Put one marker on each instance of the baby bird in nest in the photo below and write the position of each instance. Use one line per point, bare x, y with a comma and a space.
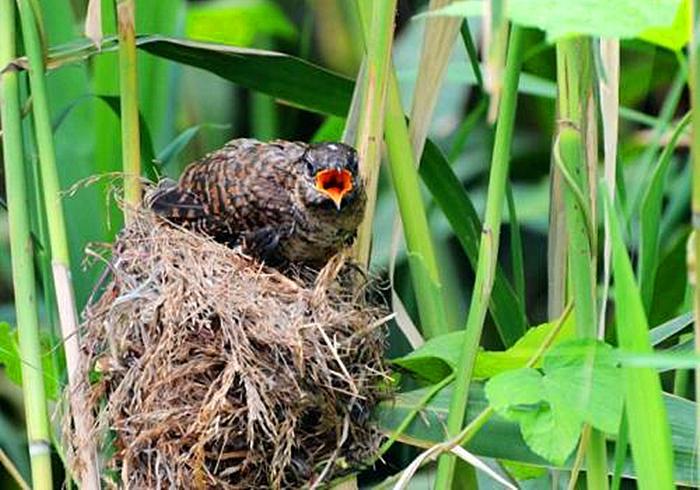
283, 202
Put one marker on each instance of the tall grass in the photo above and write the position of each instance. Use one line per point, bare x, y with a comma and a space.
38, 430
488, 249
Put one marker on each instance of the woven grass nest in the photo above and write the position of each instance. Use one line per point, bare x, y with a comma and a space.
208, 370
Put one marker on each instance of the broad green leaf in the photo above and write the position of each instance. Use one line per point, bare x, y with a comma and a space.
490, 363
9, 354
602, 18
12, 362
580, 384
237, 23
439, 356
501, 439
582, 376
675, 36
290, 79
652, 20
551, 431
435, 359
515, 392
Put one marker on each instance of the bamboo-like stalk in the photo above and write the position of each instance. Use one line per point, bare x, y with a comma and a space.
575, 85
695, 202
60, 261
378, 21
488, 251
425, 274
38, 431
423, 263
128, 89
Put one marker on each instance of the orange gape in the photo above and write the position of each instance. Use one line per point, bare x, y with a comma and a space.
334, 183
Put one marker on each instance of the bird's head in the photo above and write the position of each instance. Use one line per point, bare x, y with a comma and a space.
330, 176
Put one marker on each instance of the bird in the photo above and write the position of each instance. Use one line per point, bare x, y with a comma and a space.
284, 202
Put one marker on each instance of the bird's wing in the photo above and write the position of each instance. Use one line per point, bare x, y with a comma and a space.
177, 204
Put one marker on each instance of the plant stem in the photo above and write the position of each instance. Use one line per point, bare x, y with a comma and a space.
488, 251
378, 25
128, 89
60, 261
695, 202
421, 254
575, 85
38, 432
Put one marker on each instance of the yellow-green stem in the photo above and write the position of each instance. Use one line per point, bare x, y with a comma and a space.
575, 85
23, 277
378, 22
488, 252
60, 262
128, 89
695, 158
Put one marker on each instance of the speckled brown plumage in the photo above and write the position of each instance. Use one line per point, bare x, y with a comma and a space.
285, 202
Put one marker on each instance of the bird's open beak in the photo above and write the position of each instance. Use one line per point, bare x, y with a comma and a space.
334, 183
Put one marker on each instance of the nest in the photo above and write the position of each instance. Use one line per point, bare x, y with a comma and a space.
208, 370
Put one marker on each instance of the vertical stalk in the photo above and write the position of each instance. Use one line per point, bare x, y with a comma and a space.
488, 251
421, 253
60, 262
22, 266
378, 22
128, 89
404, 174
575, 85
695, 202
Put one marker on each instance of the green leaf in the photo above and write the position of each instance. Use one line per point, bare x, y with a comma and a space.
501, 439
551, 431
490, 363
9, 354
509, 391
601, 18
583, 377
436, 359
649, 430
523, 471
439, 356
650, 217
580, 384
237, 23
448, 192
282, 76
11, 360
670, 328
653, 20
675, 36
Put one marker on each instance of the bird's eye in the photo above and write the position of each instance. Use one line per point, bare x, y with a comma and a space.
310, 168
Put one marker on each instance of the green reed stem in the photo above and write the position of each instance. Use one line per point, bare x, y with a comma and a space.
60, 262
23, 276
575, 83
488, 251
128, 89
378, 25
695, 201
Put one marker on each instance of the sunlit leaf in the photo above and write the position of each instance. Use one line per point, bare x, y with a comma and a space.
237, 23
